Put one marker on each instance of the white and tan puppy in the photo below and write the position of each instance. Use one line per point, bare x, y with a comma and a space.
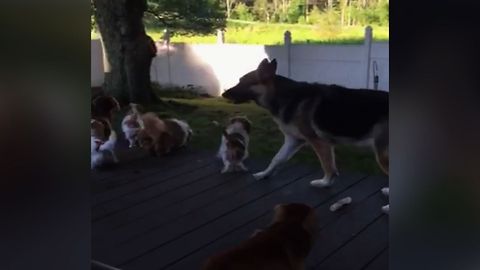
234, 146
102, 143
131, 125
161, 136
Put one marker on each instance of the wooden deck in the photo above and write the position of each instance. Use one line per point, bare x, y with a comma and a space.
173, 212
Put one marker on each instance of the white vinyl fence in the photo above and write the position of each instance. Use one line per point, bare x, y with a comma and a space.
216, 67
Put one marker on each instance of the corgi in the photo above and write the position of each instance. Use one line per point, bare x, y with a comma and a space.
234, 145
161, 136
284, 245
131, 125
102, 143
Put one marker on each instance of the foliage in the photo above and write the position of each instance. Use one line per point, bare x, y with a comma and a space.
295, 10
93, 23
263, 10
186, 16
328, 24
315, 15
242, 12
272, 34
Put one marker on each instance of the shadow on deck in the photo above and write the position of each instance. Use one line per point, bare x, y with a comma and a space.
173, 212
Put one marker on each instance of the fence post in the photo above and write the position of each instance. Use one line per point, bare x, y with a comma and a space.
368, 51
166, 41
220, 36
287, 39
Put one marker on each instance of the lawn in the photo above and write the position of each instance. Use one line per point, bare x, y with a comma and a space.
272, 34
266, 139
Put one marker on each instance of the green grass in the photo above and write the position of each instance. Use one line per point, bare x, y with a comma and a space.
266, 138
272, 34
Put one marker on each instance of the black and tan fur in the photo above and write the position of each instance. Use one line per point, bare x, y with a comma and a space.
319, 115
284, 245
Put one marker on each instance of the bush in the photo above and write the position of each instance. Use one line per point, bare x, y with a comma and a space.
242, 12
383, 13
328, 24
315, 16
301, 20
295, 11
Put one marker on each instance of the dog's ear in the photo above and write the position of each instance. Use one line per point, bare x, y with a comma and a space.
248, 124
273, 65
225, 134
266, 70
263, 64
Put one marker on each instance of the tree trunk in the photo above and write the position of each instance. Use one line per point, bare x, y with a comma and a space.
129, 49
228, 8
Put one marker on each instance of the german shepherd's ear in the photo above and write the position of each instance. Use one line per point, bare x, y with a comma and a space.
273, 65
266, 70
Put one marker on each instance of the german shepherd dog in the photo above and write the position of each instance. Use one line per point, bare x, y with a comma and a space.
319, 115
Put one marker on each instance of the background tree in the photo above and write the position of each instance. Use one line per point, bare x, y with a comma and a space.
229, 5
186, 16
263, 9
295, 10
242, 12
130, 50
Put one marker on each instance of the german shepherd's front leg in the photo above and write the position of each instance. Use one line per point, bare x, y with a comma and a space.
326, 155
290, 146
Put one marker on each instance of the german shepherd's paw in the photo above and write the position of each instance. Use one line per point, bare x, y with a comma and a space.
321, 183
260, 175
386, 209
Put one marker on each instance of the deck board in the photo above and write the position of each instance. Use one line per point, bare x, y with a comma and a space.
173, 212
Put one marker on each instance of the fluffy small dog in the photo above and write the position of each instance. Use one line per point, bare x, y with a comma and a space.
161, 136
102, 136
284, 245
104, 106
131, 125
102, 143
234, 146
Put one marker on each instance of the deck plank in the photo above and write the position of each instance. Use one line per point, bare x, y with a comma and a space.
359, 192
380, 262
173, 212
297, 191
361, 249
180, 203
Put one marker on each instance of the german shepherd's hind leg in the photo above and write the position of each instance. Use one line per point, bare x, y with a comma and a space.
326, 155
380, 148
290, 146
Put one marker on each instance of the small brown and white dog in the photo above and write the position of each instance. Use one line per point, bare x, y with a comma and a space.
131, 125
161, 136
284, 245
102, 143
102, 136
234, 146
104, 106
